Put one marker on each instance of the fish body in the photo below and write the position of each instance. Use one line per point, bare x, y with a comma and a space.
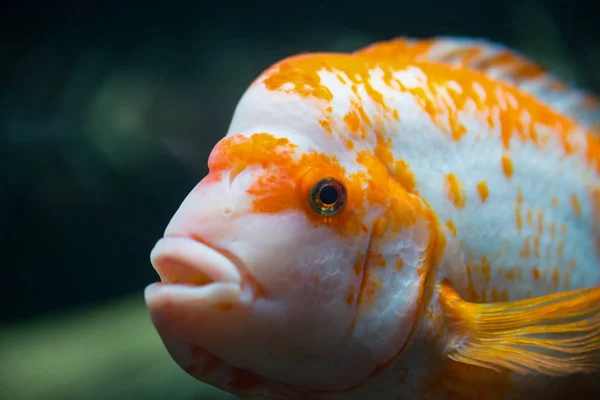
418, 219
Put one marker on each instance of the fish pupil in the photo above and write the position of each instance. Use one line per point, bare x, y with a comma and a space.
328, 195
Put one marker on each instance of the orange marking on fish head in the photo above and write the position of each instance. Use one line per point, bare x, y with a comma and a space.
382, 150
358, 265
375, 259
370, 289
298, 75
286, 180
402, 209
399, 263
352, 121
455, 190
326, 124
350, 298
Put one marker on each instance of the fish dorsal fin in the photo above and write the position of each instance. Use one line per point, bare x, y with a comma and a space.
502, 63
554, 335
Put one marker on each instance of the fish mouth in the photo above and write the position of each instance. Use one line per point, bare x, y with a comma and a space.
185, 261
191, 270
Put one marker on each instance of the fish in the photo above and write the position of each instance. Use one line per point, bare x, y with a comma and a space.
417, 219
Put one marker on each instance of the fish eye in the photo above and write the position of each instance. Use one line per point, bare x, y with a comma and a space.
328, 196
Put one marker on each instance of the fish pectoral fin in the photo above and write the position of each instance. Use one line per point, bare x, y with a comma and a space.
555, 335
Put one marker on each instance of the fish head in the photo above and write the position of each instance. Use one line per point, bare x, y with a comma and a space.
263, 266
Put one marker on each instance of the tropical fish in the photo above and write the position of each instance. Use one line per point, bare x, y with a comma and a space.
419, 219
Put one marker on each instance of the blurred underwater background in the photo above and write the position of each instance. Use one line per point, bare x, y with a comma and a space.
108, 111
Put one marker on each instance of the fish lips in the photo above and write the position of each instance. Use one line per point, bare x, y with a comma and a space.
192, 270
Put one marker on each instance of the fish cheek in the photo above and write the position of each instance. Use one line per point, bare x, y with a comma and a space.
397, 264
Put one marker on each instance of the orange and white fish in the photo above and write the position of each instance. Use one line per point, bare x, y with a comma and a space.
419, 219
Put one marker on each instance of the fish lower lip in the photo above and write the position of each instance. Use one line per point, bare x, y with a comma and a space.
185, 261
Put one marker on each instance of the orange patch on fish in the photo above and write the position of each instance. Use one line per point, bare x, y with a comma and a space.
399, 263
526, 250
303, 78
555, 276
258, 149
444, 104
486, 268
576, 205
352, 121
403, 209
451, 226
376, 260
518, 214
483, 268
560, 251
286, 182
455, 190
350, 297
507, 166
404, 176
326, 124
371, 287
358, 265
382, 150
483, 190
529, 217
540, 222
